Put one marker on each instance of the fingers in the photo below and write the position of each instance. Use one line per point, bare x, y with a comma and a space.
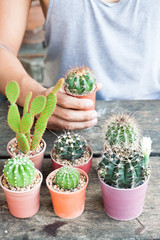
99, 86
67, 101
56, 123
74, 115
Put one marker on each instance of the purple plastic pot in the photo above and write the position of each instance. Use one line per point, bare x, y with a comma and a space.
36, 159
123, 204
85, 167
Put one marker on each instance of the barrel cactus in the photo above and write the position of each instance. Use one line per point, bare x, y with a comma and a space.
122, 130
80, 81
70, 146
125, 167
67, 178
22, 125
19, 171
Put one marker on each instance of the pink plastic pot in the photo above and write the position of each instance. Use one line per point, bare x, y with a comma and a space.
23, 204
68, 205
36, 159
85, 167
123, 204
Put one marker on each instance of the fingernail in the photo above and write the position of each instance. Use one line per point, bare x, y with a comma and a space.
94, 115
94, 121
89, 104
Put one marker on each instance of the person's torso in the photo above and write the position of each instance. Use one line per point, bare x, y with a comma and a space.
120, 42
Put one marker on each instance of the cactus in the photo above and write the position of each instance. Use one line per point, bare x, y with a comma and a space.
80, 81
67, 178
70, 146
123, 168
122, 130
19, 171
22, 126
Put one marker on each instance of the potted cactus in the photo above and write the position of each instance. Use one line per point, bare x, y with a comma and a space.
21, 183
124, 171
71, 149
80, 82
25, 142
67, 187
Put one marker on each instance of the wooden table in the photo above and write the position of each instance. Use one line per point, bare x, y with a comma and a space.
93, 223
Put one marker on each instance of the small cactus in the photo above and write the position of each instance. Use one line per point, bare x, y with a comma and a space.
22, 126
70, 146
80, 81
19, 171
67, 178
123, 168
122, 130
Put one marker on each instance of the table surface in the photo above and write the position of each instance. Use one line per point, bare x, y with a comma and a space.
93, 223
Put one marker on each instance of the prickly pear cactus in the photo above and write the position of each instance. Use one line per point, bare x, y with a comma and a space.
67, 178
21, 126
70, 146
19, 171
80, 81
123, 168
122, 130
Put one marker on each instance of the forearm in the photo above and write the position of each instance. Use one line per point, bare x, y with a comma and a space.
12, 69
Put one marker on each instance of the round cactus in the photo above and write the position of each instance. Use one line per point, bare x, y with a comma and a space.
67, 178
70, 146
19, 171
80, 81
122, 130
123, 168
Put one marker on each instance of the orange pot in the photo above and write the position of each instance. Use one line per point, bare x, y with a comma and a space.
68, 205
36, 159
23, 204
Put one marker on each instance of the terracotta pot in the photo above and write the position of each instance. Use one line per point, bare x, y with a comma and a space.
123, 204
36, 159
85, 167
23, 204
70, 204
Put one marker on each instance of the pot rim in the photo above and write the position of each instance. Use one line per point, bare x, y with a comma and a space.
91, 156
83, 95
19, 192
30, 157
67, 193
124, 189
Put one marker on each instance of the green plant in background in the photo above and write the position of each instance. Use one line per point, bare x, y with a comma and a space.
122, 130
67, 178
70, 146
22, 126
123, 168
80, 81
19, 171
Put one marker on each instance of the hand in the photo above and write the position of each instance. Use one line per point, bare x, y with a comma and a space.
68, 113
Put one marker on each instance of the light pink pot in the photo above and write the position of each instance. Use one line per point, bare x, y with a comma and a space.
23, 204
36, 159
123, 204
85, 167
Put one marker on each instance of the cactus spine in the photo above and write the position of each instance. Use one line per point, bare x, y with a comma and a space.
122, 130
80, 81
21, 126
67, 178
19, 171
124, 163
70, 146
123, 168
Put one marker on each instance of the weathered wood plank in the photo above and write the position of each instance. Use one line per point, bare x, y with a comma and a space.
147, 114
93, 223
